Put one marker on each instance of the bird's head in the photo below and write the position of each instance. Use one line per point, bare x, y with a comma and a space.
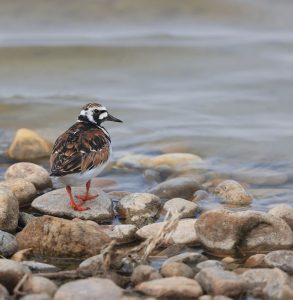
96, 114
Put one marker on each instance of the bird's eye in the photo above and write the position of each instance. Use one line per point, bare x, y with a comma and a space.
96, 111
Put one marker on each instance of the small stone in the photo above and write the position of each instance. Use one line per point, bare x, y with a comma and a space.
8, 244
28, 145
23, 190
226, 233
186, 208
285, 212
38, 285
4, 295
189, 258
57, 203
89, 289
42, 296
22, 255
139, 208
36, 266
180, 187
51, 236
206, 297
200, 195
282, 259
228, 260
124, 233
33, 173
9, 210
11, 272
177, 269
255, 261
219, 282
221, 297
232, 192
144, 273
24, 218
183, 234
210, 264
179, 287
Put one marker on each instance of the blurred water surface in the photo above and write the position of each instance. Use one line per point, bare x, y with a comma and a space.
208, 77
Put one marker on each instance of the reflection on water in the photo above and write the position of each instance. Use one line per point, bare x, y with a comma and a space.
207, 77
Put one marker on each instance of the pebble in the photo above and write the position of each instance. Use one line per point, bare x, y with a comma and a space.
220, 231
124, 233
37, 267
232, 192
180, 187
11, 272
89, 289
219, 282
51, 236
283, 211
179, 287
23, 190
255, 261
139, 208
28, 145
189, 258
25, 218
282, 259
144, 273
8, 244
183, 234
187, 209
200, 195
177, 269
38, 285
210, 264
57, 203
9, 210
33, 173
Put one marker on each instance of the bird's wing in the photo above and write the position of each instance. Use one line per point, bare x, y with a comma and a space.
77, 151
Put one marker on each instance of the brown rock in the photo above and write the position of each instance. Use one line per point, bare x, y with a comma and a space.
189, 258
219, 282
38, 285
285, 212
187, 209
123, 233
255, 261
51, 236
89, 289
171, 287
144, 273
9, 211
28, 145
33, 173
223, 232
177, 269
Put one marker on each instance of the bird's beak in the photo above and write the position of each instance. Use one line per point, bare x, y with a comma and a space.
113, 119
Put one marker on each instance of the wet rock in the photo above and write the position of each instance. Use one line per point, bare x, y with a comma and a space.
219, 282
285, 212
282, 259
38, 285
124, 233
255, 261
51, 236
139, 208
9, 210
180, 187
210, 264
189, 258
186, 208
24, 218
183, 234
200, 195
226, 233
232, 192
23, 190
28, 145
268, 283
35, 266
4, 295
33, 173
57, 203
8, 244
42, 296
179, 287
11, 272
261, 176
177, 269
89, 289
144, 273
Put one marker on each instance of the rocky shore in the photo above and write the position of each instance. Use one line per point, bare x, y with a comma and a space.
169, 244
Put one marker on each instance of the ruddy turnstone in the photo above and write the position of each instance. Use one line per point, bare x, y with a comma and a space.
83, 151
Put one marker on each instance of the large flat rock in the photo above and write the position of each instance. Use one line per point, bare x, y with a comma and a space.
57, 203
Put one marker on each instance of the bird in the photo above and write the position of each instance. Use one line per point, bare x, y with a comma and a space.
82, 152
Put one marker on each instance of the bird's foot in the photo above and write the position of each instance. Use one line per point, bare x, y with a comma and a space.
78, 207
86, 197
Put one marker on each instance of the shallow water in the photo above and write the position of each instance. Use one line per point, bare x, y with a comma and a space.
207, 77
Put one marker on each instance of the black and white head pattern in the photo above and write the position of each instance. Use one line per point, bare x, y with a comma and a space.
94, 113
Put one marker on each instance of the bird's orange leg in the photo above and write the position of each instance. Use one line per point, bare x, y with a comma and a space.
72, 203
87, 196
